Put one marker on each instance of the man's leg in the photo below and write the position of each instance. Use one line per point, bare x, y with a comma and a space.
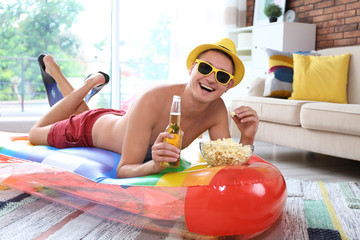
62, 110
65, 87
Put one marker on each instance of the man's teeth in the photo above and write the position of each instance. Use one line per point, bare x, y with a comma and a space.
206, 87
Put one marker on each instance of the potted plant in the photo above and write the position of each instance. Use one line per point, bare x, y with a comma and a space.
272, 11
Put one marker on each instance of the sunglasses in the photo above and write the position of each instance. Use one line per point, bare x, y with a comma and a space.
206, 69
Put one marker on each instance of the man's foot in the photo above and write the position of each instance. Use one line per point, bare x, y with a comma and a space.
96, 89
53, 93
49, 67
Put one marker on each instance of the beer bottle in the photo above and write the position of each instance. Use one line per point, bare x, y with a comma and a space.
175, 129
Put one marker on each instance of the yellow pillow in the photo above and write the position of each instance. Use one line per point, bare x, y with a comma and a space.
320, 78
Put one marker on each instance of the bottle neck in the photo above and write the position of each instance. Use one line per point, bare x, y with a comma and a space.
175, 118
175, 107
175, 111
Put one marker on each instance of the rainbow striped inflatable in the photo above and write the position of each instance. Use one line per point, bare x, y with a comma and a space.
193, 199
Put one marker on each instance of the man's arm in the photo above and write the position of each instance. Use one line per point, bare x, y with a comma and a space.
220, 127
247, 121
161, 152
245, 118
143, 117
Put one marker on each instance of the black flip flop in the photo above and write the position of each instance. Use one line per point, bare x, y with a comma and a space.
53, 93
96, 89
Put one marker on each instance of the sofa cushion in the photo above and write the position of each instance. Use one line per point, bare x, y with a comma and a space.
332, 117
320, 78
353, 87
280, 72
272, 109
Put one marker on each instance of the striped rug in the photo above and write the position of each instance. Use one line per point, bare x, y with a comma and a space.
318, 211
314, 210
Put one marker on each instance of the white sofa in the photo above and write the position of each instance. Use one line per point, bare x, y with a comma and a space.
320, 127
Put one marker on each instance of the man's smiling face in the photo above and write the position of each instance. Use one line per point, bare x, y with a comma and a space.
206, 88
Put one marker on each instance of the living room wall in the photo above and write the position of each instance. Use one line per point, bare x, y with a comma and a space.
337, 21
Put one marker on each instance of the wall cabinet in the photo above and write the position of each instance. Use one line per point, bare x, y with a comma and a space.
284, 36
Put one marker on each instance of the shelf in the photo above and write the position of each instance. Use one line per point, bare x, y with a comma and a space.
240, 30
243, 51
281, 36
245, 57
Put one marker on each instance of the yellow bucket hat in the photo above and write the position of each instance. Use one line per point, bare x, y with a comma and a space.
226, 45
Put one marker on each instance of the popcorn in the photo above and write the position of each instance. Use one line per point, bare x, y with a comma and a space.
225, 152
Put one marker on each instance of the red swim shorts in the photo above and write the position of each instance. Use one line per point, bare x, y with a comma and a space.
76, 131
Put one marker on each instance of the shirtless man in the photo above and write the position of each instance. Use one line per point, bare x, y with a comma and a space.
139, 134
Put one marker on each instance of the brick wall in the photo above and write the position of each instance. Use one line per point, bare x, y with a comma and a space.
337, 21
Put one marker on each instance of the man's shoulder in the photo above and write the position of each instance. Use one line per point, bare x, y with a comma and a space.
217, 108
164, 91
159, 96
218, 103
168, 88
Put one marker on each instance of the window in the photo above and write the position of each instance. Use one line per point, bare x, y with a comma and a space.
139, 43
78, 36
144, 32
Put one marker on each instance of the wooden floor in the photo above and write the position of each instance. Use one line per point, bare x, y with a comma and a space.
303, 165
298, 164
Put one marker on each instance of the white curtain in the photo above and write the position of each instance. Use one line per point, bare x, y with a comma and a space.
197, 22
